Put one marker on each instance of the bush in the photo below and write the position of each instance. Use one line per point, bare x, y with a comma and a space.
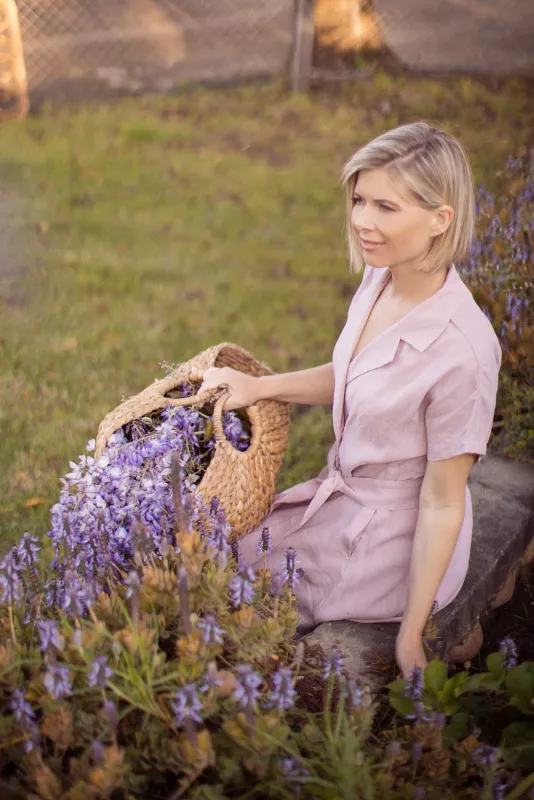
500, 271
181, 678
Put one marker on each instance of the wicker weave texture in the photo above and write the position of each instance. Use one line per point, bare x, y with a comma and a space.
243, 481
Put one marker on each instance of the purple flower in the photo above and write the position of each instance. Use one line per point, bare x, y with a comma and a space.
112, 714
394, 749
97, 752
235, 550
283, 695
99, 672
57, 681
25, 715
485, 755
439, 719
292, 769
21, 708
50, 636
210, 678
242, 586
213, 634
265, 544
133, 584
355, 693
510, 652
246, 693
419, 712
499, 787
414, 684
333, 664
290, 575
187, 705
277, 584
27, 550
10, 582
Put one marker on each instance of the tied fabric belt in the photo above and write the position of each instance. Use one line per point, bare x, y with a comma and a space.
374, 493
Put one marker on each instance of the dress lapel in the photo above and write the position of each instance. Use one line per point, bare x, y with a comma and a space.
346, 344
419, 327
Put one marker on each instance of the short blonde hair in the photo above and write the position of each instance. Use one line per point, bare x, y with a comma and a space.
435, 170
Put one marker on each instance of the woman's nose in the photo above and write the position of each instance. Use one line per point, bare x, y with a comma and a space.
362, 219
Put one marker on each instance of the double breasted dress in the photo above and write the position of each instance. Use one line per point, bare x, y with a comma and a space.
423, 390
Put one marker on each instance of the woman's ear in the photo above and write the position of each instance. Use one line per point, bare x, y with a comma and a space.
442, 219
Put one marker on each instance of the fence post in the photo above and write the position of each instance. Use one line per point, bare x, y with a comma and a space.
13, 77
303, 45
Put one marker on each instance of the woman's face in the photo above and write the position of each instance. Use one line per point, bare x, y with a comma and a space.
382, 212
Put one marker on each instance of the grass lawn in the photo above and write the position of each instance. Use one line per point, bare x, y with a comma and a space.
149, 229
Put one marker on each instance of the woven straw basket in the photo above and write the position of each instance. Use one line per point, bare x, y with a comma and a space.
244, 481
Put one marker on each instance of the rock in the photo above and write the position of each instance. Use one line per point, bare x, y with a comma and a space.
469, 647
506, 591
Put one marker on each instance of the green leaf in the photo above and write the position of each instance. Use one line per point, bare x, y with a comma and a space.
491, 682
397, 687
518, 744
495, 663
404, 705
435, 675
456, 729
520, 683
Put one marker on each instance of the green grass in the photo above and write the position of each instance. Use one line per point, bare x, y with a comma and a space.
152, 228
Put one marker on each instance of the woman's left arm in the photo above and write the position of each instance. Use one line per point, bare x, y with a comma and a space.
440, 518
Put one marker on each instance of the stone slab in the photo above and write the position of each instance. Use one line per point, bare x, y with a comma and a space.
502, 492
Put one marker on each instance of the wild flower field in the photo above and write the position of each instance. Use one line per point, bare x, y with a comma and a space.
139, 654
149, 229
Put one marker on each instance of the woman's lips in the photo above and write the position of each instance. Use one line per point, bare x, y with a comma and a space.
370, 245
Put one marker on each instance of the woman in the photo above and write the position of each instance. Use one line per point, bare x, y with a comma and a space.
385, 529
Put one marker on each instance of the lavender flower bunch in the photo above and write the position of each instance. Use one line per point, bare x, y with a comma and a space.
102, 500
501, 256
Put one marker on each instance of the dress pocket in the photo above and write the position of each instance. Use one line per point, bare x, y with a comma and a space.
361, 523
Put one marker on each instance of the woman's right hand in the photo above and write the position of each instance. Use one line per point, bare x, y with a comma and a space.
244, 388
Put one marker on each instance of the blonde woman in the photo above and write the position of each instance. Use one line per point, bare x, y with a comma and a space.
385, 529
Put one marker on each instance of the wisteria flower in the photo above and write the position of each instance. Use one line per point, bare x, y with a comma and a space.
57, 681
10, 583
50, 636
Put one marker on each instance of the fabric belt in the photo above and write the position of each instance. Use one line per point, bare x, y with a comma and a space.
376, 493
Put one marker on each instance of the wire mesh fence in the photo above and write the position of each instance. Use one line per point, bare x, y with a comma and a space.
84, 48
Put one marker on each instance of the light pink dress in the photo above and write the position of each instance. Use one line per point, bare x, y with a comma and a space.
423, 390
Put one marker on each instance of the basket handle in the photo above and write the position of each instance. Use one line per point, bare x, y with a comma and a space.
156, 400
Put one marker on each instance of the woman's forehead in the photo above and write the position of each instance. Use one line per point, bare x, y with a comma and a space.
381, 185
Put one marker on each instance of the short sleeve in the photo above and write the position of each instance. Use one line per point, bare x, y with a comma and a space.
459, 415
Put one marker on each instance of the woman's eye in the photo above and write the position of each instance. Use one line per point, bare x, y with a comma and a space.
386, 208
